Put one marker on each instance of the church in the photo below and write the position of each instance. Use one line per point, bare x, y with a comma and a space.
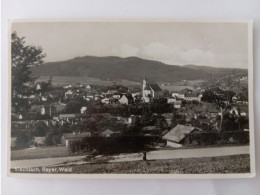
150, 90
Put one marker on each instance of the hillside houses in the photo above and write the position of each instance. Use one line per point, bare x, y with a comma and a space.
188, 95
108, 112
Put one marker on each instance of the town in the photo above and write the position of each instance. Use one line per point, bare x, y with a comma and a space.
197, 114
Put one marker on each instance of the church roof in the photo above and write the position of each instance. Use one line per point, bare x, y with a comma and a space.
155, 87
151, 85
146, 87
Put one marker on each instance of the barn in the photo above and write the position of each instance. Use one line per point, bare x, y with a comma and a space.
176, 136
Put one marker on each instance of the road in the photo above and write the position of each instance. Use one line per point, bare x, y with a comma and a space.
152, 155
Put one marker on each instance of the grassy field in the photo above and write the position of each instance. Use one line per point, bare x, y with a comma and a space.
225, 164
86, 80
37, 153
216, 165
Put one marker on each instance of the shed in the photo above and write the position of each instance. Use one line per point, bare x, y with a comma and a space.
176, 136
67, 138
107, 133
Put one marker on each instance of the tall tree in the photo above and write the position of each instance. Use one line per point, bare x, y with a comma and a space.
22, 57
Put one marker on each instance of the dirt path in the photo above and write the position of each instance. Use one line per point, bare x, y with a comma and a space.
153, 155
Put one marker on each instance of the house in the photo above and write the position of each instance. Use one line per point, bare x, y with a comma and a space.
171, 100
38, 87
44, 99
20, 116
193, 97
66, 116
67, 86
107, 133
83, 109
107, 100
176, 136
89, 87
13, 141
37, 109
151, 90
68, 93
242, 113
177, 104
175, 94
116, 96
39, 141
42, 110
67, 138
97, 97
234, 111
184, 92
126, 99
59, 107
32, 97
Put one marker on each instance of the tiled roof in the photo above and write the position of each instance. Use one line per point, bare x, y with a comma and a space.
178, 133
107, 132
155, 87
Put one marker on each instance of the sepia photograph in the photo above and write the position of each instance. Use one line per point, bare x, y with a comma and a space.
131, 99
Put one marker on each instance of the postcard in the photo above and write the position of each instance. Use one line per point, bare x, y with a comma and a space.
131, 98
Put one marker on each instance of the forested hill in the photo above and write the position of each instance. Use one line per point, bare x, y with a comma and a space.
130, 68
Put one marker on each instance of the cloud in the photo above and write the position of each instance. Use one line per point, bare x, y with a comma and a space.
127, 50
174, 55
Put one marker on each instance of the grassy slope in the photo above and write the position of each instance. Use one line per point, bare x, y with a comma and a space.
37, 153
226, 164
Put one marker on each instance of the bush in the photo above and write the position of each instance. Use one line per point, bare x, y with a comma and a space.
114, 145
22, 141
215, 138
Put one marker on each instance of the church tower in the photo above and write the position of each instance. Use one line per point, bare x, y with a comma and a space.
146, 90
144, 82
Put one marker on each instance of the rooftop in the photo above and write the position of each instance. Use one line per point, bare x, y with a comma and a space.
178, 133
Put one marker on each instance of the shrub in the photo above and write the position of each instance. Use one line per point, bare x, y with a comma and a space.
114, 145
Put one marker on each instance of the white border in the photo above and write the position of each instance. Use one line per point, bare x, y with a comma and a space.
143, 176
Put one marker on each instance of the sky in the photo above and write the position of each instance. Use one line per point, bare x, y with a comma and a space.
174, 43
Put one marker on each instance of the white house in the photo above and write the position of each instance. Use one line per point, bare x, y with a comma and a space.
83, 109
42, 111
44, 99
116, 96
88, 87
68, 93
67, 86
175, 94
38, 87
171, 100
126, 99
177, 104
193, 97
106, 101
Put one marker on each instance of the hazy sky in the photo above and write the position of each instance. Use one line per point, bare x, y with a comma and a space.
175, 43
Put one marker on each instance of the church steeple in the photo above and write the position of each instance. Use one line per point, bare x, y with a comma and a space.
145, 80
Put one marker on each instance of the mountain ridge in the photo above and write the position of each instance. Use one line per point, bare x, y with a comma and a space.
130, 68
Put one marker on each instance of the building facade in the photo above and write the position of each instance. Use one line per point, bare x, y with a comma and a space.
150, 90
